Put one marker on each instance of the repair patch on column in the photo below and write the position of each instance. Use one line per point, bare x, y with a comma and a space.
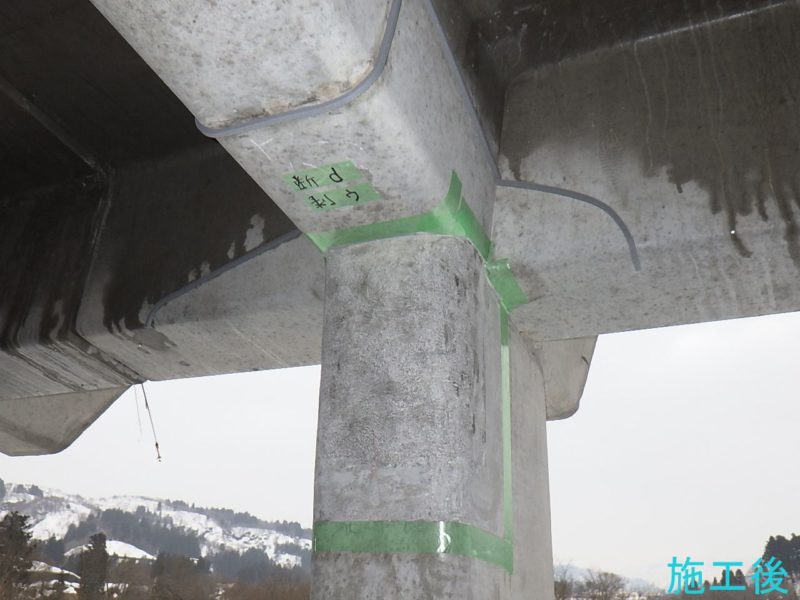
331, 186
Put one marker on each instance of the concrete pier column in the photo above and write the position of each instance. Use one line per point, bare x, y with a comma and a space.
421, 491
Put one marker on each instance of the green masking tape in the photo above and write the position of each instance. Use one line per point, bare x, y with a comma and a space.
413, 537
451, 217
505, 400
505, 284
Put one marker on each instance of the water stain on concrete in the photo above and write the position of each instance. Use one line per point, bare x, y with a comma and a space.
170, 218
714, 103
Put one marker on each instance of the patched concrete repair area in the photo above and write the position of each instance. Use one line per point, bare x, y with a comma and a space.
442, 203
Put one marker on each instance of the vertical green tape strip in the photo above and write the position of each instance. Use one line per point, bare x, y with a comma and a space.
451, 217
505, 284
505, 398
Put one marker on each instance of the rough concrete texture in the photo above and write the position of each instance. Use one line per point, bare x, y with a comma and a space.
44, 252
533, 545
121, 205
410, 420
410, 330
237, 59
48, 424
88, 275
565, 367
171, 221
407, 133
693, 138
265, 314
402, 576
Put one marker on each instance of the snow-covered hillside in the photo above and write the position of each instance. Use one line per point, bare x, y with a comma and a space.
116, 548
52, 512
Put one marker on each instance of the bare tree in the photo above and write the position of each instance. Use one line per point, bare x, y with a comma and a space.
563, 582
602, 585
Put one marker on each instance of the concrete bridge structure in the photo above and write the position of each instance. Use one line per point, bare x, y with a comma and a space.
442, 202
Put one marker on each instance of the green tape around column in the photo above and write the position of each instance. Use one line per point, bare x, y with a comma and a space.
452, 216
413, 537
505, 284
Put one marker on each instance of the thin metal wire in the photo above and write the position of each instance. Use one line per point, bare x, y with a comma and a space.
490, 157
374, 75
266, 247
152, 424
581, 197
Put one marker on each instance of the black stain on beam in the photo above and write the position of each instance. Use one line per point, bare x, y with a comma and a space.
714, 103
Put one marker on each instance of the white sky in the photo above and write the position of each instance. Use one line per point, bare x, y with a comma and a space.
244, 442
685, 444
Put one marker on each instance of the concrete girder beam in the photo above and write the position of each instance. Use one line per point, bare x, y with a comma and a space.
692, 136
48, 424
172, 221
406, 133
46, 243
564, 366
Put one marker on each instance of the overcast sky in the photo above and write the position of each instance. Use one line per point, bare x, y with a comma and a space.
685, 444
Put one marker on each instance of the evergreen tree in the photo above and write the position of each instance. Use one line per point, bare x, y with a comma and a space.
180, 578
94, 568
16, 551
53, 551
59, 590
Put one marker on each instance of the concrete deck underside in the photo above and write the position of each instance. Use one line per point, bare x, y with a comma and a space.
688, 133
134, 248
138, 249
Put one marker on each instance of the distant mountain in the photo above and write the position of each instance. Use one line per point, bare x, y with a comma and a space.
140, 528
580, 574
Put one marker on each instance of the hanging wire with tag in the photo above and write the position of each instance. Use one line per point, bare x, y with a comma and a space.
152, 424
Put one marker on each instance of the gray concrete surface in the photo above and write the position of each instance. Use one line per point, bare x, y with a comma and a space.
265, 314
407, 133
410, 362
238, 59
564, 366
685, 122
158, 225
410, 421
687, 129
533, 546
48, 424
172, 220
692, 137
44, 252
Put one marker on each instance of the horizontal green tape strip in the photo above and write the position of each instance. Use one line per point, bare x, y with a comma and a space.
452, 216
413, 537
